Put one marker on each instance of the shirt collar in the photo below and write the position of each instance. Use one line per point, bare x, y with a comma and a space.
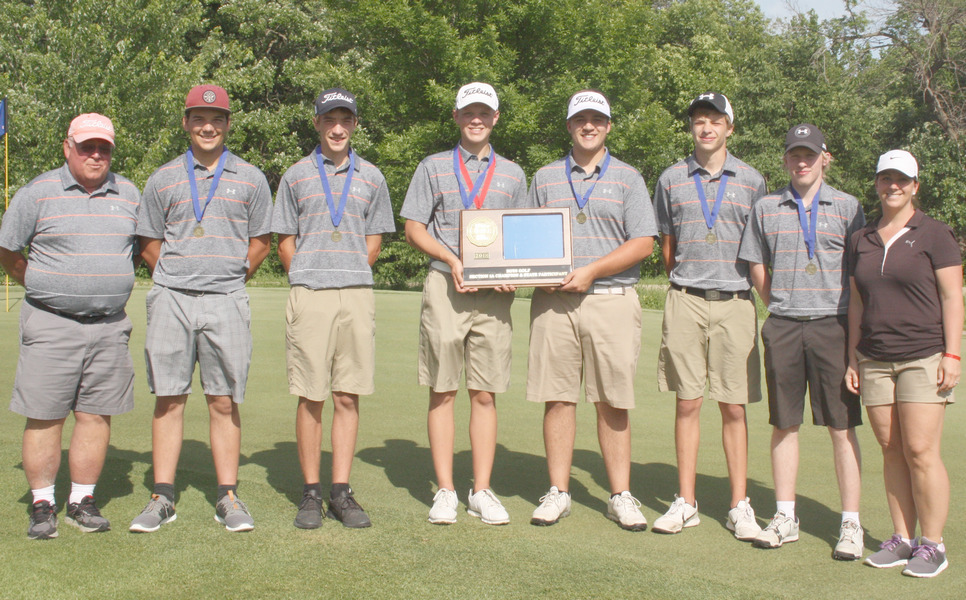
788, 198
730, 166
68, 181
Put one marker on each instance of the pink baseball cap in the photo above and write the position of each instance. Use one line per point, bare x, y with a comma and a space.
91, 126
207, 96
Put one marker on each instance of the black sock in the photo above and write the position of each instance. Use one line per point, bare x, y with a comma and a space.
166, 490
339, 488
308, 487
224, 489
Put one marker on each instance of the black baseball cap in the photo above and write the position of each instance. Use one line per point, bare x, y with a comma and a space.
333, 98
805, 135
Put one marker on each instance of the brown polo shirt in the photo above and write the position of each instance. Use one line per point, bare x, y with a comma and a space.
902, 314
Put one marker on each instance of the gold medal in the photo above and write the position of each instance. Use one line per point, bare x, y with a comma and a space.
199, 231
336, 236
811, 269
581, 218
711, 238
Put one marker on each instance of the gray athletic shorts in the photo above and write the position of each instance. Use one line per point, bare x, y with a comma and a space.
185, 327
68, 365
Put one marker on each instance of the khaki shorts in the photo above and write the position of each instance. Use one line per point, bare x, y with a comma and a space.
330, 341
575, 336
713, 343
456, 330
884, 383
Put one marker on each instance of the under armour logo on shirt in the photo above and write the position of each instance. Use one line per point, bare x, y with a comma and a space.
230, 191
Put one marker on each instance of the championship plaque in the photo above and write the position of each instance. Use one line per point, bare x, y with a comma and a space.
515, 246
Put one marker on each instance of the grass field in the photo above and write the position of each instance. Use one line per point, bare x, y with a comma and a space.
403, 556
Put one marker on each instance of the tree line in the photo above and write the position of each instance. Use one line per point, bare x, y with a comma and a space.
871, 82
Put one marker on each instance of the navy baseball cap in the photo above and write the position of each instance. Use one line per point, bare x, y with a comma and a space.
333, 98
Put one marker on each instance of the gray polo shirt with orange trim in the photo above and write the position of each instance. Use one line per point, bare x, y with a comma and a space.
433, 197
241, 209
81, 244
698, 263
619, 209
774, 238
301, 210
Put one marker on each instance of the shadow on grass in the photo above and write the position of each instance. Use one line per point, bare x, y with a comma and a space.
284, 474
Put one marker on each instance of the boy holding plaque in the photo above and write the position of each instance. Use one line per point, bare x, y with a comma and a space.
205, 226
462, 326
589, 328
331, 210
710, 333
795, 245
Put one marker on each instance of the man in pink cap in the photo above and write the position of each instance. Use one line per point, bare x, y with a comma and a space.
79, 223
204, 227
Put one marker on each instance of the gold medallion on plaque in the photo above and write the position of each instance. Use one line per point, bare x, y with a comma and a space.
711, 238
198, 231
581, 218
336, 236
811, 269
482, 231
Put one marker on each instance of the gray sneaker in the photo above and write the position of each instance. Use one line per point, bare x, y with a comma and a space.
892, 553
43, 521
343, 507
781, 529
85, 516
927, 560
851, 541
233, 514
309, 515
159, 511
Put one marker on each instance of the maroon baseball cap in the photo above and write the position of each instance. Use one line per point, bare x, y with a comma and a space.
207, 96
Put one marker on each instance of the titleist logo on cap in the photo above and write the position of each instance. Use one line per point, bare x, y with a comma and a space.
95, 123
469, 91
337, 96
590, 97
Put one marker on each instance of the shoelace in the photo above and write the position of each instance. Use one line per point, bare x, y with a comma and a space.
44, 510
634, 502
891, 544
850, 529
924, 551
550, 497
777, 522
310, 499
346, 502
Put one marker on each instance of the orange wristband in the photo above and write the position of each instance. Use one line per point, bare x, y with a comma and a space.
953, 356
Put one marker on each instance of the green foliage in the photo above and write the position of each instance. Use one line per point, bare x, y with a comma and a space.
135, 59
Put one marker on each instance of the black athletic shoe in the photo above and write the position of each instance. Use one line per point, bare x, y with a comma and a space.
43, 521
85, 516
345, 508
310, 511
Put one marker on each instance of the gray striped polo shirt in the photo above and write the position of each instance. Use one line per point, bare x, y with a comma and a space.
619, 209
81, 244
697, 263
240, 210
434, 199
774, 238
301, 210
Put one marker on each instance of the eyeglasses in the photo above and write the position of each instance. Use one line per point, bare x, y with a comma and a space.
88, 148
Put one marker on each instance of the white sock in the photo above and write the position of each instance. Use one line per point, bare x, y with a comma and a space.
787, 507
79, 491
41, 494
906, 540
854, 516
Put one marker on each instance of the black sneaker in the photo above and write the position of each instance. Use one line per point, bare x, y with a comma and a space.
85, 516
43, 521
345, 508
310, 511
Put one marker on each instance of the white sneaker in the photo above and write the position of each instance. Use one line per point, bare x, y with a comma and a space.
554, 505
680, 515
741, 520
625, 510
851, 541
444, 507
781, 529
485, 505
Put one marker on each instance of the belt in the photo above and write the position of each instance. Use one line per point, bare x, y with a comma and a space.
195, 293
712, 294
85, 319
617, 290
802, 318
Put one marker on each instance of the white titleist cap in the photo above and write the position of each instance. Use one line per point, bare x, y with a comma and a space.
477, 92
588, 100
898, 160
